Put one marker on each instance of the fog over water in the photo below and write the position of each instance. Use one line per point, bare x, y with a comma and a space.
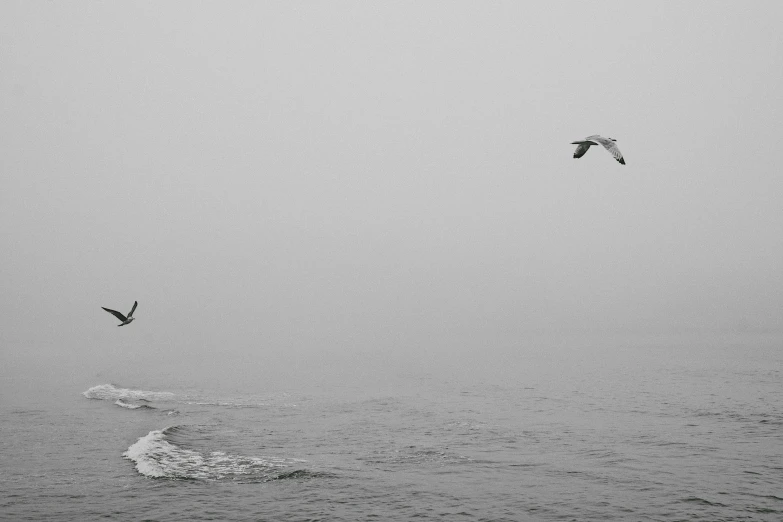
301, 186
372, 279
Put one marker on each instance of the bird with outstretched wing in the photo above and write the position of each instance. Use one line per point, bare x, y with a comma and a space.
608, 143
125, 320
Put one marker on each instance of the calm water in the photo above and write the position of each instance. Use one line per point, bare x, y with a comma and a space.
642, 429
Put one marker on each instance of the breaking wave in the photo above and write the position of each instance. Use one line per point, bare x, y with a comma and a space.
157, 456
110, 392
130, 406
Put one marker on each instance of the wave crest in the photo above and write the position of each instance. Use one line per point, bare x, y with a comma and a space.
110, 392
123, 404
157, 457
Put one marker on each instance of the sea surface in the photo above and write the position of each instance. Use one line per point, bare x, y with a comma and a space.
654, 428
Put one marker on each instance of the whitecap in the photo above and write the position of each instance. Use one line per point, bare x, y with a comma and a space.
130, 406
120, 402
109, 392
157, 457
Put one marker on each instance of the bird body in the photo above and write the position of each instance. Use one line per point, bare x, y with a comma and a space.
125, 320
608, 143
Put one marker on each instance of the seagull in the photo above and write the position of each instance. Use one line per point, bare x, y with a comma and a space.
608, 143
118, 315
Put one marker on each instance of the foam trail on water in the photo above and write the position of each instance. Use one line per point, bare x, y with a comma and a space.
155, 456
123, 404
109, 392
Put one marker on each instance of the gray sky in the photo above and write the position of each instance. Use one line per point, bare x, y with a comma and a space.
343, 177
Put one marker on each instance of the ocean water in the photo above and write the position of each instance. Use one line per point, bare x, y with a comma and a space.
607, 429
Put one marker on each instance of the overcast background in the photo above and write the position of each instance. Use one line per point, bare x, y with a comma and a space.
300, 181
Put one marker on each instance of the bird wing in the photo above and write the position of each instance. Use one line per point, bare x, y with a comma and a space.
135, 304
116, 314
609, 145
581, 149
614, 151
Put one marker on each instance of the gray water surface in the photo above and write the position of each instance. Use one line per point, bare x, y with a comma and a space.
666, 429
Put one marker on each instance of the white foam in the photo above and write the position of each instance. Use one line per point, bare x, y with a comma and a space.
156, 457
109, 392
119, 402
146, 451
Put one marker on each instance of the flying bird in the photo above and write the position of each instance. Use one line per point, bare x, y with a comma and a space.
608, 143
118, 315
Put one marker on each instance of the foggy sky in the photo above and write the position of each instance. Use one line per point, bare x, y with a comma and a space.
303, 177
